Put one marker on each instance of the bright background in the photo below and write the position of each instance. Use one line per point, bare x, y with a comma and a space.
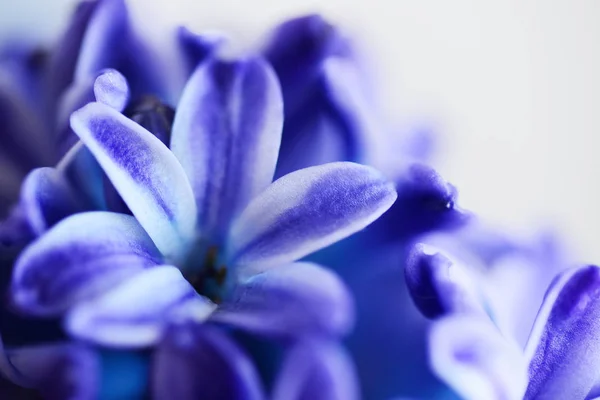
513, 87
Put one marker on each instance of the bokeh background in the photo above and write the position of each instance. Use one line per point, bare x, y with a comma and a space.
511, 88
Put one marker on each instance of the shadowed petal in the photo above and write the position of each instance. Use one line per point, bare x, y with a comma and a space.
197, 48
80, 257
563, 345
317, 370
46, 198
61, 371
199, 361
226, 135
110, 88
144, 172
305, 211
291, 301
469, 353
136, 312
438, 286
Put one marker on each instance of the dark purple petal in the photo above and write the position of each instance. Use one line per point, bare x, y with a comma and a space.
47, 198
305, 211
472, 357
290, 301
135, 312
226, 135
563, 345
317, 370
80, 257
438, 286
145, 173
199, 361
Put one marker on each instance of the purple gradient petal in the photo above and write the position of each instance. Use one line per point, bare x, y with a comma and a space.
145, 173
80, 257
305, 211
472, 357
226, 134
136, 312
563, 347
199, 361
197, 48
111, 88
317, 370
438, 286
61, 371
47, 198
290, 301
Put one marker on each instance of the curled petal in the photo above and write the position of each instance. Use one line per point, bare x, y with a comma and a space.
438, 286
110, 88
471, 356
136, 312
80, 257
317, 370
305, 211
291, 301
144, 172
199, 361
226, 135
46, 198
563, 346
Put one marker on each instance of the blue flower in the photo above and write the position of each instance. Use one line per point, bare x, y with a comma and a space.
206, 221
496, 334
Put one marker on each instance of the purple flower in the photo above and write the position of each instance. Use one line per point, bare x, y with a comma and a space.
207, 228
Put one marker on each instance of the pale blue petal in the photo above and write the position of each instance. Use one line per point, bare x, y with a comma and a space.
82, 256
471, 356
145, 173
136, 312
305, 211
111, 88
226, 134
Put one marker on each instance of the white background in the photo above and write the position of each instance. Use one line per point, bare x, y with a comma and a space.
513, 87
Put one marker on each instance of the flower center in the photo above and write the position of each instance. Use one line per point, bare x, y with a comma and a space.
152, 114
209, 279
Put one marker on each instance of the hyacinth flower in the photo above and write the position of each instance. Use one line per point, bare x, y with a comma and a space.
331, 117
206, 208
471, 348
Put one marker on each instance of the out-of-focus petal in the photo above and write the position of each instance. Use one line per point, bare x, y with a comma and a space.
136, 312
438, 286
199, 361
144, 172
226, 135
563, 347
196, 48
80, 257
305, 211
47, 198
317, 370
290, 301
471, 356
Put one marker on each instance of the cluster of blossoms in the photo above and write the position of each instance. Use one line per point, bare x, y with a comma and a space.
251, 228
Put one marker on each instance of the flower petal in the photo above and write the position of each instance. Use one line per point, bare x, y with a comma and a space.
111, 88
317, 370
563, 345
305, 211
226, 135
469, 353
199, 361
47, 198
197, 48
80, 257
58, 371
136, 312
438, 286
290, 301
144, 172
